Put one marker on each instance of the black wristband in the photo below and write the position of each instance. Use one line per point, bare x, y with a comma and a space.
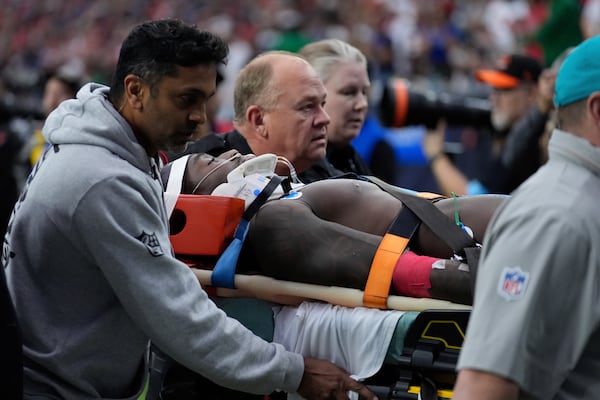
435, 157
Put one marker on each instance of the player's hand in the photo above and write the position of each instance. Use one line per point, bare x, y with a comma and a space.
323, 380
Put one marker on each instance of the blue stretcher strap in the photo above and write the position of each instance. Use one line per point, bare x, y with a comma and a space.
223, 274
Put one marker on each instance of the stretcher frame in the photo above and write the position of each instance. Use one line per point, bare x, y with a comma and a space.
424, 368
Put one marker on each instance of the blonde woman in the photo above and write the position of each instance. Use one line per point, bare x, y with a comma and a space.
343, 70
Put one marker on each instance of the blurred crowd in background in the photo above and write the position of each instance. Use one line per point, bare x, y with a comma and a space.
435, 44
439, 41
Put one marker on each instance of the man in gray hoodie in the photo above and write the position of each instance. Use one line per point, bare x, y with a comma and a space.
87, 255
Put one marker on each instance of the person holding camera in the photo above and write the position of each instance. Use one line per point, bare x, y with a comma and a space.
521, 100
534, 332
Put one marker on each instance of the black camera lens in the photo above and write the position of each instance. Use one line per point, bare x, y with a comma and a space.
400, 106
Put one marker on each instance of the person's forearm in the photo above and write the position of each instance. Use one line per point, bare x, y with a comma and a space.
479, 385
449, 178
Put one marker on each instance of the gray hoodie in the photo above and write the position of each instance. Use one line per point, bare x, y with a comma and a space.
91, 272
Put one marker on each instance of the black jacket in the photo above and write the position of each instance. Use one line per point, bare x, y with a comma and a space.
521, 155
346, 159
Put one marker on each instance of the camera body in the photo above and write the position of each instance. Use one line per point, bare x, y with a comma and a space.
400, 106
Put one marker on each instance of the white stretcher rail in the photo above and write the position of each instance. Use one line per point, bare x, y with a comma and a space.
293, 293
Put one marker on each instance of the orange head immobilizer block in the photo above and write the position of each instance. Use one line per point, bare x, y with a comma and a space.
203, 225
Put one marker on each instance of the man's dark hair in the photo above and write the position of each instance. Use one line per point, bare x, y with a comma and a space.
155, 49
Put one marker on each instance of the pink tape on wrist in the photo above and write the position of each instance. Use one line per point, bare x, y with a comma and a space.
411, 275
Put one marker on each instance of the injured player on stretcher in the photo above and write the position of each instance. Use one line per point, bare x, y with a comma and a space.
328, 232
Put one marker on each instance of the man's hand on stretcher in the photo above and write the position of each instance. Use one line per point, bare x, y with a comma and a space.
324, 380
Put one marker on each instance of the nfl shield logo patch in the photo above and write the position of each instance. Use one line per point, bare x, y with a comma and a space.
151, 242
513, 283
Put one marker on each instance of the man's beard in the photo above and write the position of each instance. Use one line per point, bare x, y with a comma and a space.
500, 122
175, 148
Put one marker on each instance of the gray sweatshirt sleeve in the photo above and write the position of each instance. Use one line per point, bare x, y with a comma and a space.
127, 237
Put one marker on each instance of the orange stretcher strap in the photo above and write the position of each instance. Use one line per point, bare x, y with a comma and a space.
389, 251
431, 196
379, 281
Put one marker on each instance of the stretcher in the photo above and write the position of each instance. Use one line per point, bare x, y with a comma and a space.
420, 358
421, 355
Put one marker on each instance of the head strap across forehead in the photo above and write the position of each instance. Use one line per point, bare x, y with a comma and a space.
175, 183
